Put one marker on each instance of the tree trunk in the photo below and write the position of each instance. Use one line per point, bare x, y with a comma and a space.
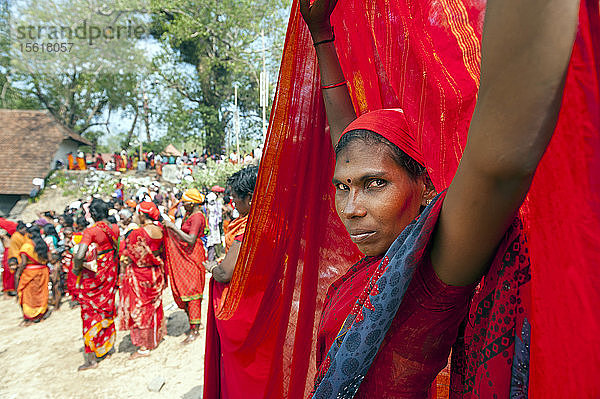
130, 133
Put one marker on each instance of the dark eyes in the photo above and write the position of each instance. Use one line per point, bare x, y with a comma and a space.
370, 184
376, 183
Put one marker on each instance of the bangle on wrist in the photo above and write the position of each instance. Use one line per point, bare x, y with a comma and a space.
334, 85
326, 40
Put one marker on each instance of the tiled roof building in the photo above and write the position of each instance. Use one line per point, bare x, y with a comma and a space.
30, 144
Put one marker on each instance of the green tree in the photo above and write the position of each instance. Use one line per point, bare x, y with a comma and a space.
221, 39
84, 87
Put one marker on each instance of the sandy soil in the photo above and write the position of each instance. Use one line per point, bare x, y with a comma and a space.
41, 361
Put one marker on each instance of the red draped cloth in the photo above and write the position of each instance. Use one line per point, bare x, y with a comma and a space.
8, 225
184, 266
564, 233
229, 370
140, 292
422, 57
96, 291
13, 251
8, 277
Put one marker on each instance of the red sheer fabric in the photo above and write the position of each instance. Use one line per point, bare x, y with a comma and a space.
564, 233
228, 371
422, 57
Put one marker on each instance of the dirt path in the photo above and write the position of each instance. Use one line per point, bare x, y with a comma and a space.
41, 361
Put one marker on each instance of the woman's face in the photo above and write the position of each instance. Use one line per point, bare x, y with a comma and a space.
242, 205
375, 197
188, 206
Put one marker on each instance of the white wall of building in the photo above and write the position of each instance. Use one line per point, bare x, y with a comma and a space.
65, 147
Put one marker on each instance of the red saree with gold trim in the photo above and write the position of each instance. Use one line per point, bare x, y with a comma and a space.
96, 294
423, 57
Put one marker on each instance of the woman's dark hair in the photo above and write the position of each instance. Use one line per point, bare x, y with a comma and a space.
82, 223
68, 220
39, 245
49, 230
243, 181
98, 209
368, 137
111, 219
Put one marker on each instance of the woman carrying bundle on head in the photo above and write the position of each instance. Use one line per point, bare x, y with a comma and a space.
143, 282
184, 254
95, 263
32, 277
388, 324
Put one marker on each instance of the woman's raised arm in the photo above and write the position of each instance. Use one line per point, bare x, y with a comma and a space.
338, 105
526, 49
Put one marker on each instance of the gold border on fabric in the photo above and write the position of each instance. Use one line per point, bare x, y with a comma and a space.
89, 335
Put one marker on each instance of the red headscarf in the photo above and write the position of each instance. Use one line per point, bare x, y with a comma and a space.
150, 209
390, 124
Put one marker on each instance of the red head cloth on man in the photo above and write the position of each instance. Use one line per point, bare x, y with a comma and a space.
390, 124
150, 209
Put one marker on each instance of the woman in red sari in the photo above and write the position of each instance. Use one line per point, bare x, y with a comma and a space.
96, 289
227, 373
8, 275
33, 276
184, 254
143, 282
388, 325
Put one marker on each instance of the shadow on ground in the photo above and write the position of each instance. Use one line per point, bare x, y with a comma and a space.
126, 345
177, 323
194, 393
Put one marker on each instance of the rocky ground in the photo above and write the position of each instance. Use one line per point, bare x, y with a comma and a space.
41, 361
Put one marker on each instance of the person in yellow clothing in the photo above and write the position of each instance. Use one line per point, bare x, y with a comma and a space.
81, 161
32, 278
